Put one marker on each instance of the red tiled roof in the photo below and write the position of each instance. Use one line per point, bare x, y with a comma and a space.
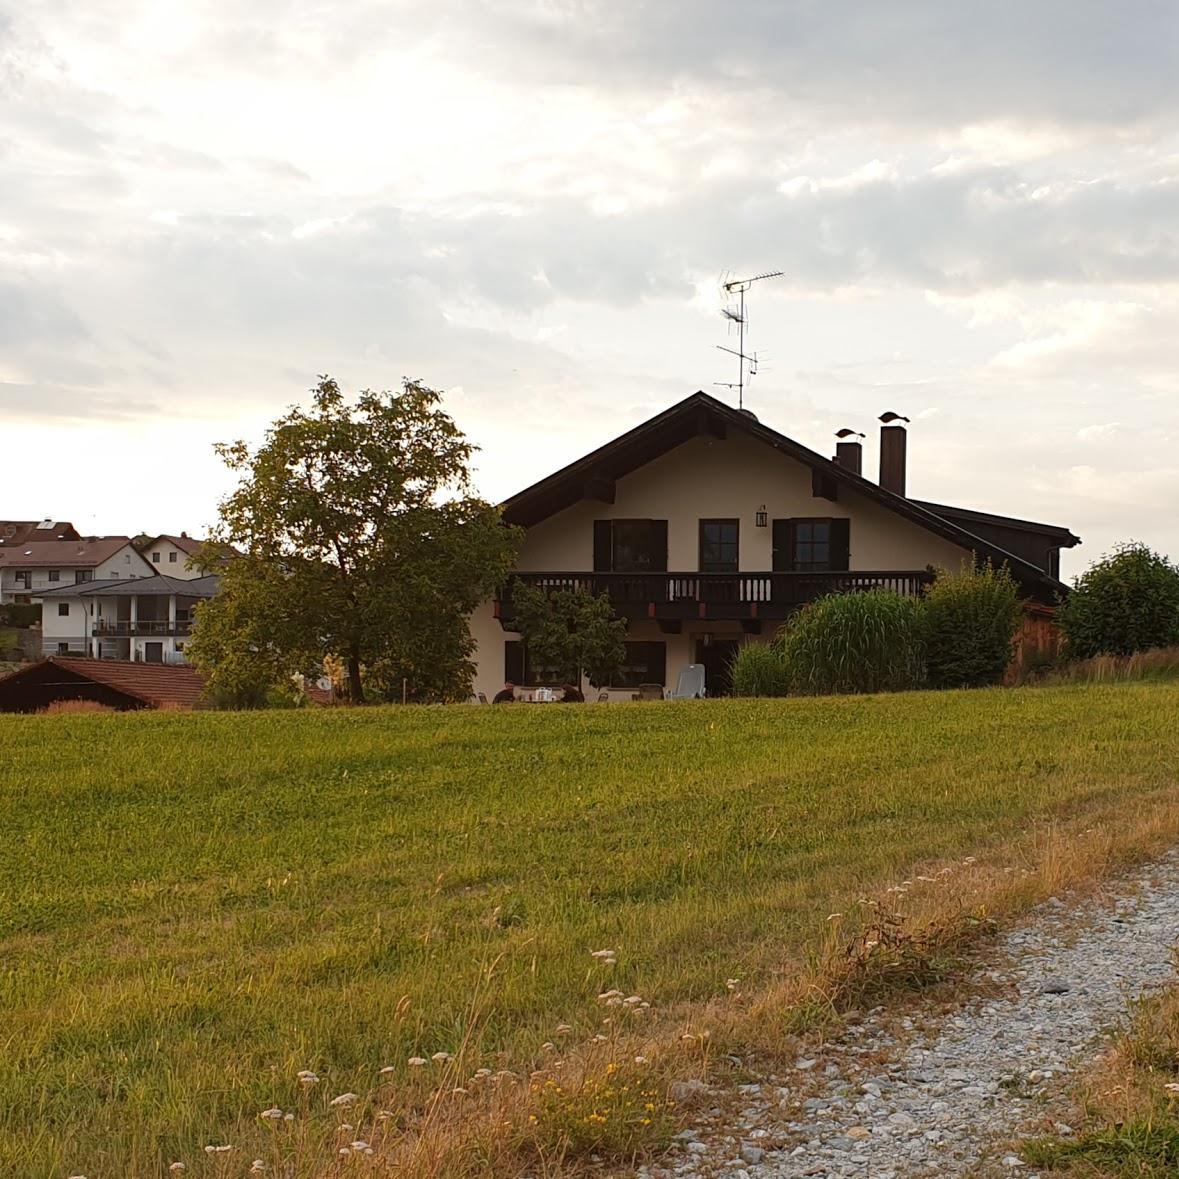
13, 532
65, 554
156, 684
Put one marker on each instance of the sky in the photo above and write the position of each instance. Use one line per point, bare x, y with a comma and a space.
531, 205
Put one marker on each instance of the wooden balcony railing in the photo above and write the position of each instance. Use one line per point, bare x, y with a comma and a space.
717, 595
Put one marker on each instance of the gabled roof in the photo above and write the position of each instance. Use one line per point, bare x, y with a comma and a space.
153, 684
190, 545
702, 414
1064, 537
13, 532
158, 585
64, 554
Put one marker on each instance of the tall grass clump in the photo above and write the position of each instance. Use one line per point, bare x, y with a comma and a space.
1162, 663
760, 670
1125, 603
971, 620
869, 642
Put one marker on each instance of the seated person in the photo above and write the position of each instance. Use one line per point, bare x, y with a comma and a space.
571, 695
506, 694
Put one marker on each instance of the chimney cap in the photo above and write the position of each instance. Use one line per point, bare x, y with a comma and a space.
889, 416
846, 433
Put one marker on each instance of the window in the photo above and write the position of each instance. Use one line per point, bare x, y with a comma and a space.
63, 648
63, 609
646, 663
127, 559
81, 575
519, 669
114, 575
55, 575
719, 542
630, 546
811, 545
155, 558
172, 558
24, 579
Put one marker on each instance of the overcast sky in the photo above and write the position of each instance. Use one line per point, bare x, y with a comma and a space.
529, 204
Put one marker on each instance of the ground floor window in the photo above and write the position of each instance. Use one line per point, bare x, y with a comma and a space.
519, 669
646, 663
63, 648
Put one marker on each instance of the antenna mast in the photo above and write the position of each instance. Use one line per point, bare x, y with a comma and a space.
738, 287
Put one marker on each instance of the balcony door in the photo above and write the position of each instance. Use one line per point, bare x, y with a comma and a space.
630, 546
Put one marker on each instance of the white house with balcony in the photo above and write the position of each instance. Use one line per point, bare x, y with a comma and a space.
29, 568
146, 620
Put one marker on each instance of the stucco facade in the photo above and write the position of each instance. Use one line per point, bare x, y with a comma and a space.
710, 478
24, 573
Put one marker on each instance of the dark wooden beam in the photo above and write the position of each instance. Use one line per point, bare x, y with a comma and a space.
600, 488
709, 424
751, 626
671, 626
823, 486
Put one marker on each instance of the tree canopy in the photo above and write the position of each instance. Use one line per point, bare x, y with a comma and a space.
360, 540
571, 630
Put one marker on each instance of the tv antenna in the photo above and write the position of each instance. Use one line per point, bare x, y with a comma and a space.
736, 314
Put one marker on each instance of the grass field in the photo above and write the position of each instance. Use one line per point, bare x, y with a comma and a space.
193, 907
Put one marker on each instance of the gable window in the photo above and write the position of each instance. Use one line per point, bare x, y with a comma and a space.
55, 575
645, 663
172, 558
811, 545
630, 546
525, 672
63, 609
24, 579
155, 558
81, 575
719, 544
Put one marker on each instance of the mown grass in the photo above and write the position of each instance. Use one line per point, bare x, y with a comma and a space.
194, 907
1130, 1104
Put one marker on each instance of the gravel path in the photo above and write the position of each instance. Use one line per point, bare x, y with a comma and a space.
947, 1095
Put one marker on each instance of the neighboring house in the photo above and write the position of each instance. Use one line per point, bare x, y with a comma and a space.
114, 684
33, 566
169, 555
15, 532
708, 529
144, 620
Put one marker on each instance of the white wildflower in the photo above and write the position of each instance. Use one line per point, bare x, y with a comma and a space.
442, 1058
603, 954
273, 1114
257, 1167
307, 1077
388, 1070
360, 1144
416, 1061
178, 1167
344, 1099
562, 1029
288, 1117
640, 1060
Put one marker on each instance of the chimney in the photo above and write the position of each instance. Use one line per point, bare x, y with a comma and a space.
893, 443
850, 455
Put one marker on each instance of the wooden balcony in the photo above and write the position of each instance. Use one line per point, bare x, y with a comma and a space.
717, 596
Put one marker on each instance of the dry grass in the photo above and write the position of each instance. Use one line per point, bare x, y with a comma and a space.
1159, 664
1129, 1104
74, 707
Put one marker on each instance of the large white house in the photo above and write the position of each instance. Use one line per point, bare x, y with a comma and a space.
30, 567
169, 555
146, 620
708, 529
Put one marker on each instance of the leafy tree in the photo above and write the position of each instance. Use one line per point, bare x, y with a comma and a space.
571, 629
971, 619
361, 540
1124, 603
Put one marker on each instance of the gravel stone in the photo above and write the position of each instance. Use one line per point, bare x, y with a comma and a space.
957, 1088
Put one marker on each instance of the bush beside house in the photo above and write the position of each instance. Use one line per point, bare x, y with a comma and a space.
971, 620
1125, 603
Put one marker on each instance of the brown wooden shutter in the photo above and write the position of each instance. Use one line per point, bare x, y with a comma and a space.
603, 546
783, 559
657, 663
659, 546
514, 661
840, 543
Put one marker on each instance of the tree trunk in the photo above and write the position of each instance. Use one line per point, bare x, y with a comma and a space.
355, 687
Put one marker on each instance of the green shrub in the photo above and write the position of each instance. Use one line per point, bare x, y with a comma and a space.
1125, 603
759, 670
862, 642
20, 615
971, 619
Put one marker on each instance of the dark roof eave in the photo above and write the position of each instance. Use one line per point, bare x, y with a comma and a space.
1067, 538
